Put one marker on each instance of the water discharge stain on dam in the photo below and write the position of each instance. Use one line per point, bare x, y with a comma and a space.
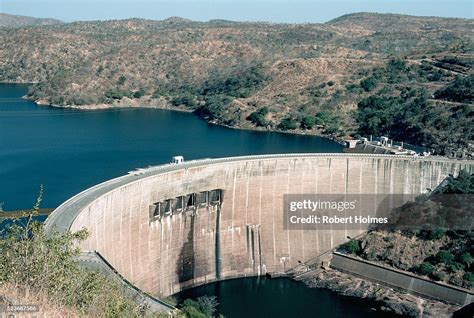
239, 234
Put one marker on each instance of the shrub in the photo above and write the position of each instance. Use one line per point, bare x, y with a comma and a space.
368, 84
203, 307
459, 90
258, 117
121, 80
185, 100
288, 123
115, 93
454, 267
308, 122
439, 275
353, 246
425, 268
469, 276
445, 257
47, 265
466, 258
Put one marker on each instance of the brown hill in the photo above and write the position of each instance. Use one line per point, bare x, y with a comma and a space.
302, 77
15, 21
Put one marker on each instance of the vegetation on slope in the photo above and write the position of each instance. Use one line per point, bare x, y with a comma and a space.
440, 247
44, 269
46, 266
309, 78
403, 109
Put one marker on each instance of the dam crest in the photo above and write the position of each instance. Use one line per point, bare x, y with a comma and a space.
173, 227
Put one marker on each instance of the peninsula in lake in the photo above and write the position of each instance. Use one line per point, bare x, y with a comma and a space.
358, 75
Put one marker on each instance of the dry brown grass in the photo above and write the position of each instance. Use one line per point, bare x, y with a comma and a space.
14, 295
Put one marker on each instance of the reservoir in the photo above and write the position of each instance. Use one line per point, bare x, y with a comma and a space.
68, 150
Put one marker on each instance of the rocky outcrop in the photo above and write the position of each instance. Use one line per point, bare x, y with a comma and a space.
391, 300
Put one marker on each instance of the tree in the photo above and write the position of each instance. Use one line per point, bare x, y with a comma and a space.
445, 257
203, 307
469, 276
463, 184
308, 122
431, 234
426, 268
454, 267
466, 258
353, 246
460, 90
396, 65
121, 80
258, 117
213, 106
368, 84
186, 100
287, 123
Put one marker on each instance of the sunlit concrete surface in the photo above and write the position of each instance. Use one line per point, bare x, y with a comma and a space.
241, 234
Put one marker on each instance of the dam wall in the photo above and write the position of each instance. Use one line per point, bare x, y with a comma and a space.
179, 226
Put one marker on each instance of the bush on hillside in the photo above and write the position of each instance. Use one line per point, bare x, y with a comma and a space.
46, 265
259, 117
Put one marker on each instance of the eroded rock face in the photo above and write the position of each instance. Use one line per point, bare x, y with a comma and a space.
393, 301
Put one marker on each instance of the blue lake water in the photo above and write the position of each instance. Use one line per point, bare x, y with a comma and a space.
70, 150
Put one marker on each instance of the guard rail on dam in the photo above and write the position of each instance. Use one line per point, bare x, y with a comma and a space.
178, 226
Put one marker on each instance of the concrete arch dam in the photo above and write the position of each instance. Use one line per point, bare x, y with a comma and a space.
176, 226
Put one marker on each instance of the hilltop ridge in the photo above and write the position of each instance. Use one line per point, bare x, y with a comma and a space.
10, 20
355, 75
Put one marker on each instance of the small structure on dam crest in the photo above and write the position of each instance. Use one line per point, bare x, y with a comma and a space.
176, 226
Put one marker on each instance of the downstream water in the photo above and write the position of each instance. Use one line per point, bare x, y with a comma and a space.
258, 297
70, 150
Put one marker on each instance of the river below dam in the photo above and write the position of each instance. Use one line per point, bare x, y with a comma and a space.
256, 297
68, 150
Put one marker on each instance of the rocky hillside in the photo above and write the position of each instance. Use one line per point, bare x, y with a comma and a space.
15, 21
356, 75
432, 237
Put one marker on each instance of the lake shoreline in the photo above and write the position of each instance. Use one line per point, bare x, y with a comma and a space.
156, 104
